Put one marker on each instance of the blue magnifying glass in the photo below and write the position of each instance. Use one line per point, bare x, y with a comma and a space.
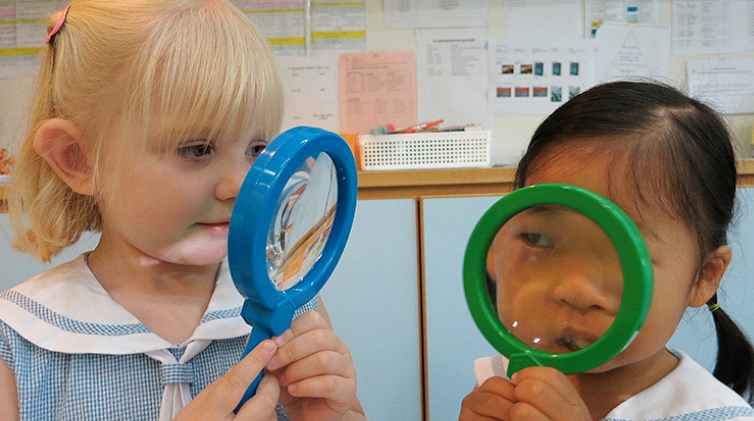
289, 227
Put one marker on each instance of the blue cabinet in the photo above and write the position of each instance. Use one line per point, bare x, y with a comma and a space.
413, 340
453, 340
373, 301
696, 333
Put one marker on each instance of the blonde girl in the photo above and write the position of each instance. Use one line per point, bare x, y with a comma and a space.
147, 116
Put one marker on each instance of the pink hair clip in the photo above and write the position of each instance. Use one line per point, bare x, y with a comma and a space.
58, 25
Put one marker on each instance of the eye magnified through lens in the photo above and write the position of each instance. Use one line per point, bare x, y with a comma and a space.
554, 278
559, 276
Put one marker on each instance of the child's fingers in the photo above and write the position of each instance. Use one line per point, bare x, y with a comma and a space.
311, 320
262, 405
219, 399
500, 387
491, 401
337, 393
547, 393
328, 386
484, 406
543, 381
537, 401
301, 324
233, 385
316, 363
316, 371
230, 388
525, 411
309, 334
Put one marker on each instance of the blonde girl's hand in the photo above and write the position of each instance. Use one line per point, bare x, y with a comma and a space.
219, 399
492, 401
543, 393
315, 371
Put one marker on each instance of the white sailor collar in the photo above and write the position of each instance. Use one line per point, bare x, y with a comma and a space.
66, 310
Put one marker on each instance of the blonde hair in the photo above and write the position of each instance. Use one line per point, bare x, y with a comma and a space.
138, 64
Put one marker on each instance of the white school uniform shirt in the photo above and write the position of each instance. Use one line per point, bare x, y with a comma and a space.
78, 354
688, 393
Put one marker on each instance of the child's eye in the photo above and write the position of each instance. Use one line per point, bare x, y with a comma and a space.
537, 240
255, 150
196, 151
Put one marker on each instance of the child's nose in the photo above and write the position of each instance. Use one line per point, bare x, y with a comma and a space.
231, 180
586, 285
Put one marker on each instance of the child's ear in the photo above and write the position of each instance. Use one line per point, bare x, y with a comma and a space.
709, 276
59, 142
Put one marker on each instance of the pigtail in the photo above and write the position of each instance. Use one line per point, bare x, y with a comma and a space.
735, 354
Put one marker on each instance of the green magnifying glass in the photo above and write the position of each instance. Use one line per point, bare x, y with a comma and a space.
556, 275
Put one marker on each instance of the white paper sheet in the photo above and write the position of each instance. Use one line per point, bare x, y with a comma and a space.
726, 85
302, 27
632, 52
709, 26
338, 26
283, 23
543, 20
750, 25
31, 17
451, 69
7, 24
22, 35
410, 14
536, 78
597, 12
311, 92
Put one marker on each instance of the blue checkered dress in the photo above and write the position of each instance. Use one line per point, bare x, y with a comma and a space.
69, 366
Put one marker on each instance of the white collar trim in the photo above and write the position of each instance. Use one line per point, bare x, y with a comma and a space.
66, 310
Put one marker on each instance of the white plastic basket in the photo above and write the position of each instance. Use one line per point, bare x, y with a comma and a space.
428, 150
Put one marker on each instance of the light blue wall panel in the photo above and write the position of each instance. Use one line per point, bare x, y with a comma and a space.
453, 340
696, 333
372, 298
373, 301
17, 267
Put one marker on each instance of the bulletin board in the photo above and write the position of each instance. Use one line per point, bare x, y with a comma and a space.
499, 64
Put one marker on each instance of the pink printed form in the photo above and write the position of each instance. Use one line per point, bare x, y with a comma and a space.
377, 88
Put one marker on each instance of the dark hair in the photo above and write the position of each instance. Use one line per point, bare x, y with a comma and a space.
679, 155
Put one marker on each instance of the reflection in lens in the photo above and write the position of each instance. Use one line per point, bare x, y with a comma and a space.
554, 278
302, 221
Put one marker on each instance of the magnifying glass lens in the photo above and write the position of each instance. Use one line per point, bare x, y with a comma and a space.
302, 222
554, 278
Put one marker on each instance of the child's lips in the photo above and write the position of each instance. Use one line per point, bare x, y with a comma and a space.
216, 228
576, 339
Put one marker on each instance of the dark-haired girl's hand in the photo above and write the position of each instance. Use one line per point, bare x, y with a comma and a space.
492, 401
543, 393
533, 394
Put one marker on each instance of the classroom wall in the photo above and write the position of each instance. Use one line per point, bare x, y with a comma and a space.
509, 132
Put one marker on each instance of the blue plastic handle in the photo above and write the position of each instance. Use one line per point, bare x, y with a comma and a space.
258, 334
